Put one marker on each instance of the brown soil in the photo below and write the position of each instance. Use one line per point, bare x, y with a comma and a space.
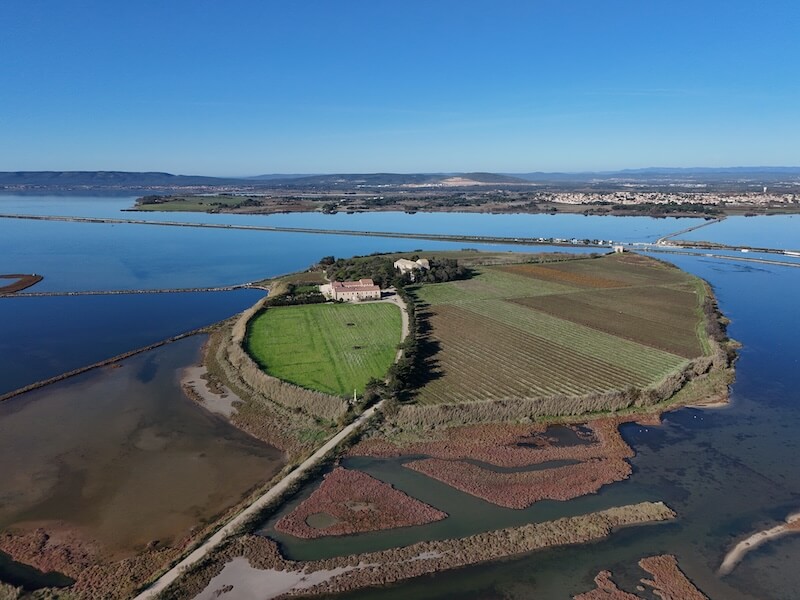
668, 583
358, 503
23, 282
630, 314
559, 276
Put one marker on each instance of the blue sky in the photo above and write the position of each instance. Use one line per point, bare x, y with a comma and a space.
237, 88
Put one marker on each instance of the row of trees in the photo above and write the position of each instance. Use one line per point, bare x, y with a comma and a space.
380, 268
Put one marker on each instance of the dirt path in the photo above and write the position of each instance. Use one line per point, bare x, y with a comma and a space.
404, 324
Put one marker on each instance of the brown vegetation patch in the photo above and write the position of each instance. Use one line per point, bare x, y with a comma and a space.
63, 549
23, 282
562, 276
504, 445
381, 568
606, 590
602, 461
521, 489
668, 583
359, 503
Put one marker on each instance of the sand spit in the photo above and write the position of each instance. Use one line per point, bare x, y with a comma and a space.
218, 399
740, 550
357, 502
380, 568
245, 582
668, 583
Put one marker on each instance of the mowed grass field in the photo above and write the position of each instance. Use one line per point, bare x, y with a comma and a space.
332, 348
574, 327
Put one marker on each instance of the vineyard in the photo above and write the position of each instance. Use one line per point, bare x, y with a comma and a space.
332, 348
568, 328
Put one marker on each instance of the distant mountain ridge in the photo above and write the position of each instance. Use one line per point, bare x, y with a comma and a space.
111, 178
160, 182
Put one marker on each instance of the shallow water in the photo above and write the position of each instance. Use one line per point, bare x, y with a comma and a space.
24, 576
46, 336
775, 231
508, 225
123, 456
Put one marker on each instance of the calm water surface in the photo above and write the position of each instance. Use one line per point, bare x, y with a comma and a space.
46, 336
776, 231
543, 225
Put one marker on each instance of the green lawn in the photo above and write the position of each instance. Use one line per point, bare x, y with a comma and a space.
332, 348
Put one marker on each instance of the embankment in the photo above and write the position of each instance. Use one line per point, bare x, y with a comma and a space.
97, 365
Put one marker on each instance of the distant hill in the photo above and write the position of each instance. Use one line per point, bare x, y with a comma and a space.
387, 179
106, 178
723, 179
156, 179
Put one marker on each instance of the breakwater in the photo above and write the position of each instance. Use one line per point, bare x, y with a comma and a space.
225, 288
99, 364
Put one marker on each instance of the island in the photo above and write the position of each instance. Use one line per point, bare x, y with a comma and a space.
500, 377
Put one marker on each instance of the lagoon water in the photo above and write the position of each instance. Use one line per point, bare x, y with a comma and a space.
122, 456
506, 225
726, 472
782, 231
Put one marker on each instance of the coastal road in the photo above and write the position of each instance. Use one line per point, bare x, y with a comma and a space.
662, 240
273, 494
